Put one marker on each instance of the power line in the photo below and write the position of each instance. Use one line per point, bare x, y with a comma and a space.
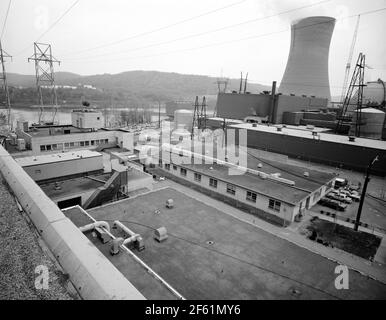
5, 21
157, 30
233, 257
50, 27
224, 42
212, 31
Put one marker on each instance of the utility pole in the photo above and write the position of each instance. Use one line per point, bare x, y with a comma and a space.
159, 114
367, 179
44, 73
3, 77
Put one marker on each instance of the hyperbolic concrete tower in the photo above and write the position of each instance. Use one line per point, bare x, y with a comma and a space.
307, 66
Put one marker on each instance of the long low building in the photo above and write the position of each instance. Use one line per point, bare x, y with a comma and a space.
271, 194
59, 165
313, 145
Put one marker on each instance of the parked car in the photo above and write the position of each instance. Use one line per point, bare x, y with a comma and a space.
333, 204
343, 198
340, 182
355, 197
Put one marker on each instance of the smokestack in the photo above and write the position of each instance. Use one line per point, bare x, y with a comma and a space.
307, 66
273, 93
241, 82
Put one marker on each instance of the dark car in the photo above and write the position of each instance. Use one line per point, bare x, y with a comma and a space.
333, 204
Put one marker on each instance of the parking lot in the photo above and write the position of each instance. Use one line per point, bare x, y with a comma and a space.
373, 212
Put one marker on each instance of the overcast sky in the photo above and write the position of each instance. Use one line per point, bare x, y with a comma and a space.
100, 36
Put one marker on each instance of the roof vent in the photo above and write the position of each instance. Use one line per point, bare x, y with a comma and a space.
254, 125
279, 128
259, 165
314, 133
160, 234
306, 174
57, 186
351, 138
210, 168
169, 203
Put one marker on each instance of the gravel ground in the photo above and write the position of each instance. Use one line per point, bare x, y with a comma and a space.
20, 254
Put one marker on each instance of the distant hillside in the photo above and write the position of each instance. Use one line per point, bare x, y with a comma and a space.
131, 87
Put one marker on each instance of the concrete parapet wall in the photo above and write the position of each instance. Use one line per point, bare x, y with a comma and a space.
92, 274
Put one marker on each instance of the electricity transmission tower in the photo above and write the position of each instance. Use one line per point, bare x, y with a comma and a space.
3, 78
44, 73
357, 81
199, 115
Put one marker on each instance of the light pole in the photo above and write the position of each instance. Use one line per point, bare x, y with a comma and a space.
367, 179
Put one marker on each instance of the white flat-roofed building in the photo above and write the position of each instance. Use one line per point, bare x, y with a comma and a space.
59, 165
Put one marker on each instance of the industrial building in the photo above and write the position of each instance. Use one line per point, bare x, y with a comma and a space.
59, 165
275, 191
80, 178
267, 107
312, 144
207, 254
85, 132
306, 72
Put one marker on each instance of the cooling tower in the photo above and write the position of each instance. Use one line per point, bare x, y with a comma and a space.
307, 66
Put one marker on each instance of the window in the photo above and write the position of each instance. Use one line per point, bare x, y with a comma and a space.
167, 166
48, 147
274, 205
82, 143
66, 145
87, 143
183, 172
42, 148
174, 167
106, 140
54, 147
66, 131
251, 196
231, 189
213, 182
197, 177
160, 163
38, 171
92, 142
97, 142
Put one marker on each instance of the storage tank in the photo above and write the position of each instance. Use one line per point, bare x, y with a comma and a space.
372, 120
306, 72
183, 119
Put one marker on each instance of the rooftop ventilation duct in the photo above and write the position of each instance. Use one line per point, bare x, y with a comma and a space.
306, 174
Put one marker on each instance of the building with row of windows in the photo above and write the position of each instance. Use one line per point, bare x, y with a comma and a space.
270, 199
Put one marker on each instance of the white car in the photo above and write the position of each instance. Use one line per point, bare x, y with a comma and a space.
161, 178
344, 198
355, 197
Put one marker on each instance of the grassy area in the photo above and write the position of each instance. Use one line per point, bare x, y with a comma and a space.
360, 243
